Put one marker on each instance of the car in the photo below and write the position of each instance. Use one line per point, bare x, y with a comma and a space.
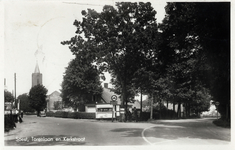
42, 114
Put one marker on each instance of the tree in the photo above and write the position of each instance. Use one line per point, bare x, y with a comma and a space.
57, 105
25, 103
80, 83
131, 91
37, 97
8, 97
117, 40
206, 26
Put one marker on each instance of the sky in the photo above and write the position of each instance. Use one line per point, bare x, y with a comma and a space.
33, 31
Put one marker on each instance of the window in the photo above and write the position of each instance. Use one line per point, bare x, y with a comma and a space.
104, 109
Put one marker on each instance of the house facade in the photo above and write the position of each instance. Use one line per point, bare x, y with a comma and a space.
54, 101
105, 98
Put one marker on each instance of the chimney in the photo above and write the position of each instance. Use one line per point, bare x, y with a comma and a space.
106, 85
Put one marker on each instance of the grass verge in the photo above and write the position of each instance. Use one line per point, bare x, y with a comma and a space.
222, 123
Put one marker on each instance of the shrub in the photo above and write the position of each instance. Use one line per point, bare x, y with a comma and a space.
85, 115
65, 114
30, 113
145, 116
61, 114
222, 123
75, 115
71, 115
9, 123
58, 114
50, 114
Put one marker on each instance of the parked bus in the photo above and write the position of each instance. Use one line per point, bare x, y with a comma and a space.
105, 111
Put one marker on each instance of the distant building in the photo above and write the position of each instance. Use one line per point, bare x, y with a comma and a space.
105, 98
54, 101
36, 76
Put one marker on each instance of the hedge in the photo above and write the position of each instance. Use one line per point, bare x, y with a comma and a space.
50, 114
30, 113
75, 115
9, 123
84, 115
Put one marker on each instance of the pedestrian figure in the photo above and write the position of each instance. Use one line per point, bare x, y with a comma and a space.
21, 114
20, 119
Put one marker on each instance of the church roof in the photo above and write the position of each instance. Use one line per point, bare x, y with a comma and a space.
37, 69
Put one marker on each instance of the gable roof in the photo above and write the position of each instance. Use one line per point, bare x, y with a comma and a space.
55, 93
106, 95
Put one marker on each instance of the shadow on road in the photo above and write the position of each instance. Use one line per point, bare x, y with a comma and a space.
46, 140
181, 129
129, 132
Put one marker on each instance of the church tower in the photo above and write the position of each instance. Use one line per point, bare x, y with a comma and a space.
36, 76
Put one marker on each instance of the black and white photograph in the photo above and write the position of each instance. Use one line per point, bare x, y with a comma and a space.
116, 73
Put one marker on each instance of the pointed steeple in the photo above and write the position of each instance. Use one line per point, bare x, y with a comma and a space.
37, 69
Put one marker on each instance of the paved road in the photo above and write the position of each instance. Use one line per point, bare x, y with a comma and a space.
45, 131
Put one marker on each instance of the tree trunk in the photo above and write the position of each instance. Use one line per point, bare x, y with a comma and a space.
189, 111
124, 99
186, 109
151, 108
179, 110
160, 110
174, 110
141, 99
167, 108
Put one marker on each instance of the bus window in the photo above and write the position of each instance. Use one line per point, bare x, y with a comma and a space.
104, 109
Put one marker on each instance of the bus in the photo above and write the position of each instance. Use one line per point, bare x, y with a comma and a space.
105, 111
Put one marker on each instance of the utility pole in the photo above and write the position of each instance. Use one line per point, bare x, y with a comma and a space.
15, 86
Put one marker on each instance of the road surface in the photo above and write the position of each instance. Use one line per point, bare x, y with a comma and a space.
46, 131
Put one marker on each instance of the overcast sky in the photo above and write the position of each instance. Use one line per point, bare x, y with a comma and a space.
35, 27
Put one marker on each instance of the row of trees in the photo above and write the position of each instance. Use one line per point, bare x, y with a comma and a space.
34, 101
183, 60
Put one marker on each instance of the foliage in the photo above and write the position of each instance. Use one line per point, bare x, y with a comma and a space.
203, 44
130, 90
37, 97
80, 83
222, 123
8, 123
8, 97
25, 103
30, 113
184, 60
50, 114
57, 105
61, 114
75, 115
117, 40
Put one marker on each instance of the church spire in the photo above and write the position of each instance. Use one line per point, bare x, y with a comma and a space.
37, 69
